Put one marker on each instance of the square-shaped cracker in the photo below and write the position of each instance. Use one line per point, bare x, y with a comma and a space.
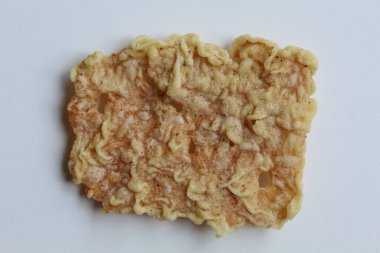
181, 128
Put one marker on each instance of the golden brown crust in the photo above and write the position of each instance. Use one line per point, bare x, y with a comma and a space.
191, 130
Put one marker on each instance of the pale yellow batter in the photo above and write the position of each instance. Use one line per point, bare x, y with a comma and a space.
192, 130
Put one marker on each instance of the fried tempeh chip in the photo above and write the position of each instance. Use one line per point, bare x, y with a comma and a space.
182, 128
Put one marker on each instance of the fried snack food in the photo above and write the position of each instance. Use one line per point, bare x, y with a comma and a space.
182, 128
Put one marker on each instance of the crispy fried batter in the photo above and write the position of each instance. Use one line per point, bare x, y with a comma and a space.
188, 129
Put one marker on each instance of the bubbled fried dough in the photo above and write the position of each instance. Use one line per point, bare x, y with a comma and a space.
182, 128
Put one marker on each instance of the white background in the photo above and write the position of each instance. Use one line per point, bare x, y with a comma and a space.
42, 211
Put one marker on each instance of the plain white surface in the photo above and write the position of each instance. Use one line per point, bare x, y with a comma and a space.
40, 211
